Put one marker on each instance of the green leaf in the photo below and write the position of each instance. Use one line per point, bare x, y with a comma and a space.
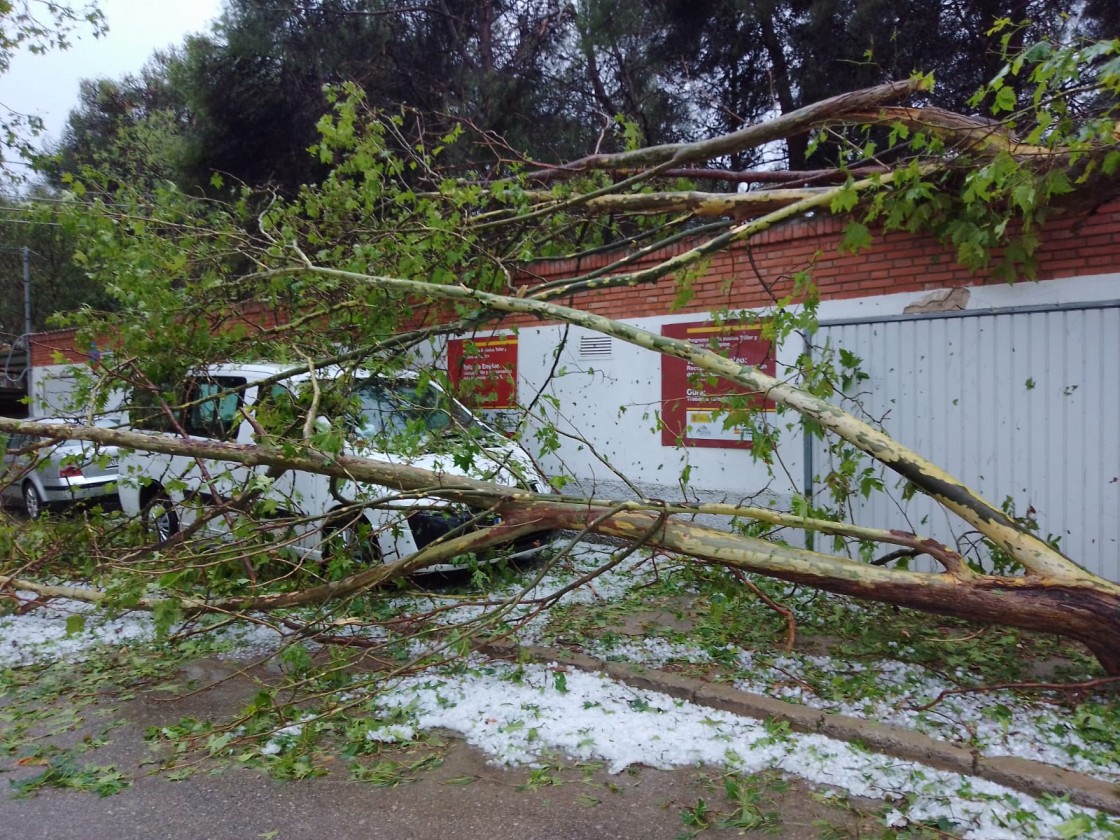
1079, 826
75, 624
857, 237
1057, 183
560, 682
1111, 162
166, 614
1005, 100
1024, 196
216, 744
844, 200
296, 659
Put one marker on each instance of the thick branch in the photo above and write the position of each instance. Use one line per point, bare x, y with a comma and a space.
438, 552
803, 177
834, 109
701, 203
740, 233
961, 130
1070, 601
1084, 610
469, 491
800, 177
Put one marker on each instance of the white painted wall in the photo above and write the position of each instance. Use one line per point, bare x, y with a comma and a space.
954, 389
612, 403
50, 389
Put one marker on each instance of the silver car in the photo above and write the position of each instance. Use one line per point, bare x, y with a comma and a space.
45, 474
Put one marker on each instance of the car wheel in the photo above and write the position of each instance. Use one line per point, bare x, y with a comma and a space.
160, 517
32, 501
351, 538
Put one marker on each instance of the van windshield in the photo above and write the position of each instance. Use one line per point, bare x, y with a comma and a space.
396, 407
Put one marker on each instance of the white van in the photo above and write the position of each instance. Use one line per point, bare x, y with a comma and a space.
397, 418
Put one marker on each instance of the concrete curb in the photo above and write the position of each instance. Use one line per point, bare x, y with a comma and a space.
1022, 774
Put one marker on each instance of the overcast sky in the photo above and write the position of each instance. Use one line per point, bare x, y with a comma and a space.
47, 85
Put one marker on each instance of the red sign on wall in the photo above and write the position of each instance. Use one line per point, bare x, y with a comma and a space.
691, 399
483, 371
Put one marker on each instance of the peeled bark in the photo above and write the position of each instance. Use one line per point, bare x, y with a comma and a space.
740, 205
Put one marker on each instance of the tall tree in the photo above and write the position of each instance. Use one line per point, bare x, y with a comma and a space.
778, 55
548, 80
620, 68
256, 88
136, 129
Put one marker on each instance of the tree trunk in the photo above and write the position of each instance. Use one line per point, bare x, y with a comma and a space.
1080, 611
797, 145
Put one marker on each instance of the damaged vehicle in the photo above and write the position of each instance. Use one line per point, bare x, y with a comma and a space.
398, 417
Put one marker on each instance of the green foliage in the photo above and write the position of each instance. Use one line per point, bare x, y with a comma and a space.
249, 94
712, 611
42, 27
63, 773
857, 238
295, 740
539, 82
396, 197
166, 615
33, 222
747, 796
392, 773
748, 805
698, 816
991, 198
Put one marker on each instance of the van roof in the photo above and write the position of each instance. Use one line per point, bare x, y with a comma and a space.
256, 371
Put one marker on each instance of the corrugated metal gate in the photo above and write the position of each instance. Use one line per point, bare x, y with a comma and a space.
1018, 403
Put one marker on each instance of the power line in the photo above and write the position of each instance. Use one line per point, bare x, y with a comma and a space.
25, 222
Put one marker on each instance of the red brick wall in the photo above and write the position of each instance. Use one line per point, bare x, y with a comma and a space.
56, 347
1086, 243
61, 346
898, 262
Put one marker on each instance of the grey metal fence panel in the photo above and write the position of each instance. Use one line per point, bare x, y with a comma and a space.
1022, 405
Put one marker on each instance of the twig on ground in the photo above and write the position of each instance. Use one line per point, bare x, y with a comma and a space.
785, 612
1084, 685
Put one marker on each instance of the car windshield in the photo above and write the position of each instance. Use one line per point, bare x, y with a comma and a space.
402, 407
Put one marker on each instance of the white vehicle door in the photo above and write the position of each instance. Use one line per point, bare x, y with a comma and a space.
214, 411
294, 500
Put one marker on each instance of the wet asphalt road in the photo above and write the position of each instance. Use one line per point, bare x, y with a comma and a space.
462, 797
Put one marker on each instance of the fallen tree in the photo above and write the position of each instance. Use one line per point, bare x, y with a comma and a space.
375, 245
1055, 596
